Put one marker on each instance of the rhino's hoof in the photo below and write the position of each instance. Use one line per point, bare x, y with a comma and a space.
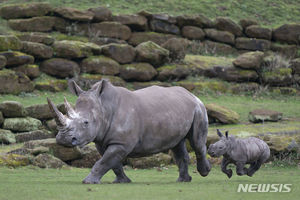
187, 178
204, 169
122, 180
249, 173
91, 180
229, 173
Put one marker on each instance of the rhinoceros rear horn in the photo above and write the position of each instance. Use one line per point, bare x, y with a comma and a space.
70, 111
58, 116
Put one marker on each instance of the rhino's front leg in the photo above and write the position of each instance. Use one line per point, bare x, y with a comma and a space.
112, 158
240, 168
224, 164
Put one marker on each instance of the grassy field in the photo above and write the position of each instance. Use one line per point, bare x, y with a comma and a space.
267, 12
33, 183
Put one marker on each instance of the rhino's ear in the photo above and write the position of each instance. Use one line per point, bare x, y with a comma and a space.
226, 134
219, 133
99, 86
74, 88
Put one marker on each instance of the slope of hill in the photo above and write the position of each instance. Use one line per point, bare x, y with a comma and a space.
267, 12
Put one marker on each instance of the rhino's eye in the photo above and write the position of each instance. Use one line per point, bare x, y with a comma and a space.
86, 122
220, 147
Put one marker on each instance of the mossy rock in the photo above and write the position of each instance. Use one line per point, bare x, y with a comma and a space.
30, 70
48, 83
173, 72
157, 160
289, 51
216, 86
12, 82
12, 109
22, 124
222, 114
262, 115
100, 65
45, 160
277, 77
201, 65
152, 53
140, 37
75, 49
7, 137
14, 160
138, 72
281, 143
122, 53
43, 38
59, 151
9, 42
16, 58
24, 10
249, 60
1, 119
284, 90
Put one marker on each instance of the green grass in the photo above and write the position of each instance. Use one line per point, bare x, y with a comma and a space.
38, 97
267, 12
33, 183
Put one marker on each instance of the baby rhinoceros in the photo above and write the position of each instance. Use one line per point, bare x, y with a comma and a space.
240, 152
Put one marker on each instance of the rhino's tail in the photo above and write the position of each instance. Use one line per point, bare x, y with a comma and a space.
198, 136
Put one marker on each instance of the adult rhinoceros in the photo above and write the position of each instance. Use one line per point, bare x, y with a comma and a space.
125, 123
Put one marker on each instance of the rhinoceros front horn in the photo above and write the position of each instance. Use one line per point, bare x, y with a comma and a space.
58, 116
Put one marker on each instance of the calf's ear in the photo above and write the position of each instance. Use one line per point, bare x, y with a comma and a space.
226, 134
74, 88
219, 133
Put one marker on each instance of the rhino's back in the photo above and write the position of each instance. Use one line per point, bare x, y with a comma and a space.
253, 148
166, 116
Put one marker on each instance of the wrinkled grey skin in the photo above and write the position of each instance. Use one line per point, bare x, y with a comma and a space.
124, 124
250, 150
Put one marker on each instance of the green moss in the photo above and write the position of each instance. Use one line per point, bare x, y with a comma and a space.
14, 160
151, 47
279, 73
7, 72
206, 62
166, 67
9, 43
46, 82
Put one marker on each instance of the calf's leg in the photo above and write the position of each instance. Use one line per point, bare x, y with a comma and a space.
253, 168
112, 158
224, 169
182, 159
240, 168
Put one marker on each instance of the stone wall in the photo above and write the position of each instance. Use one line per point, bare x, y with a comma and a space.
143, 48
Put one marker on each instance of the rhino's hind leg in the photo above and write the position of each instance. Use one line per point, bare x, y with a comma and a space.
197, 137
254, 167
182, 159
120, 175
